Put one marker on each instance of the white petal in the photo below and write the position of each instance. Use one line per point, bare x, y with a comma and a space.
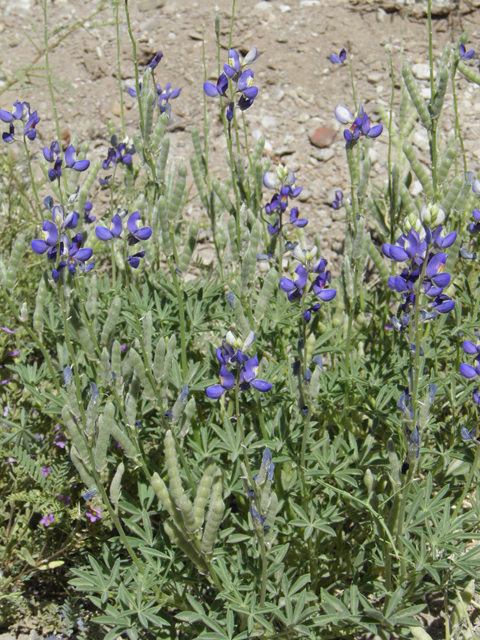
249, 341
298, 253
476, 186
270, 180
250, 57
230, 338
343, 115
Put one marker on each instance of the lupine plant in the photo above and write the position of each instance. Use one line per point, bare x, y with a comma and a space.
266, 448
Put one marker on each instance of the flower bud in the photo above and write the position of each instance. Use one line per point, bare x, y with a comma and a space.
412, 221
432, 215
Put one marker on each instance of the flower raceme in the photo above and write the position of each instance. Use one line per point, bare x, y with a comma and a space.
247, 378
240, 82
360, 125
283, 181
136, 233
52, 155
471, 349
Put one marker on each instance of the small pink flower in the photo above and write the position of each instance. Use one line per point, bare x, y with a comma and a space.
45, 471
60, 440
64, 499
47, 520
94, 514
7, 330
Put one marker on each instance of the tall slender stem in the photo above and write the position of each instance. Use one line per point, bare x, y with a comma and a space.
116, 9
32, 178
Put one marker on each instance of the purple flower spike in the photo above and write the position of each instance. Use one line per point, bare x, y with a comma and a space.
76, 165
137, 234
114, 232
464, 54
340, 59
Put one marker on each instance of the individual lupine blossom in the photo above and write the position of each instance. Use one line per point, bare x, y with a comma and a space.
469, 436
87, 218
340, 59
359, 125
120, 154
416, 247
464, 54
472, 349
94, 514
51, 230
136, 233
154, 62
20, 112
338, 202
241, 81
474, 227
52, 155
47, 520
310, 271
73, 256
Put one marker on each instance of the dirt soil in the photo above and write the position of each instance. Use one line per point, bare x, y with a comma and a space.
298, 86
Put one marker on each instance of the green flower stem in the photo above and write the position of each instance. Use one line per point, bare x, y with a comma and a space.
135, 62
32, 179
389, 157
181, 311
458, 133
35, 338
433, 131
252, 483
115, 8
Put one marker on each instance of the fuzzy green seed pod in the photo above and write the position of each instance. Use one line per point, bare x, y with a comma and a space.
148, 116
163, 494
88, 183
117, 364
176, 488
111, 321
75, 433
272, 511
39, 304
159, 360
223, 197
180, 541
3, 271
366, 167
203, 491
250, 256
187, 417
461, 201
198, 180
174, 203
91, 413
197, 146
407, 202
165, 225
241, 320
417, 99
358, 243
239, 168
212, 525
232, 236
378, 261
452, 195
440, 90
469, 72
116, 485
347, 280
447, 160
147, 337
314, 387
258, 149
81, 467
139, 147
180, 403
106, 371
394, 464
266, 292
130, 409
103, 436
15, 257
92, 302
158, 132
419, 170
141, 371
123, 440
186, 256
188, 515
161, 165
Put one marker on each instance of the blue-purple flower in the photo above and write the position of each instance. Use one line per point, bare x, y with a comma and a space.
134, 260
360, 125
227, 382
49, 238
154, 62
464, 54
114, 232
337, 203
87, 218
472, 349
340, 59
248, 377
118, 155
242, 82
218, 89
294, 288
135, 233
76, 165
474, 227
21, 112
